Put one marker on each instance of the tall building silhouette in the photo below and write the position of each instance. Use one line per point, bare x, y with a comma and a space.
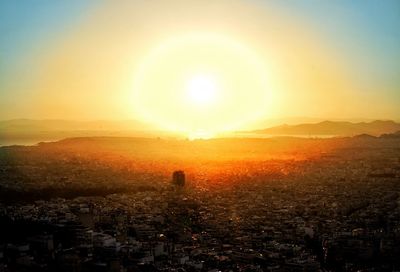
178, 178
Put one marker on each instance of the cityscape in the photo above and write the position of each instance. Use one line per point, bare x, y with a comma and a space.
199, 136
330, 209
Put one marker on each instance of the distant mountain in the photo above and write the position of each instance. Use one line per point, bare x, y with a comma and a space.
364, 136
28, 125
267, 123
391, 135
374, 128
26, 131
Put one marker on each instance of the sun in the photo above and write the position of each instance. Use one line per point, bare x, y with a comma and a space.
201, 84
201, 90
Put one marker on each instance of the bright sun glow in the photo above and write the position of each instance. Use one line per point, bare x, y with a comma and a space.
201, 90
201, 84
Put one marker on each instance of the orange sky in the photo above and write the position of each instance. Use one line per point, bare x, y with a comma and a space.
88, 70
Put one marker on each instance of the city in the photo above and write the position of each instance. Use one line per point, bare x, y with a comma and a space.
335, 210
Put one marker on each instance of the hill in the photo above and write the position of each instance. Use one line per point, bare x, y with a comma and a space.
29, 125
395, 135
374, 128
27, 131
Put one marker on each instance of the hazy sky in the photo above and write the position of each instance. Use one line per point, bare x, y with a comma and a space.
77, 59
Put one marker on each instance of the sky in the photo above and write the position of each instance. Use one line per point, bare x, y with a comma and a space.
80, 59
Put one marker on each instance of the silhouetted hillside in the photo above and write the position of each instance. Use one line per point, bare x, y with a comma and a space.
28, 125
28, 132
392, 135
374, 128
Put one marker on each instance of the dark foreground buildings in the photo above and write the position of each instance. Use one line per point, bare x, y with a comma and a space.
339, 212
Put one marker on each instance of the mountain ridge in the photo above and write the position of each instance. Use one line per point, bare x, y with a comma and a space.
334, 128
16, 127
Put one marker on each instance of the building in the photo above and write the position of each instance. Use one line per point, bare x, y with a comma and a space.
178, 178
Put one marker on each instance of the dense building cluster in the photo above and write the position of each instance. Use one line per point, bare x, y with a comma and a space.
337, 212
